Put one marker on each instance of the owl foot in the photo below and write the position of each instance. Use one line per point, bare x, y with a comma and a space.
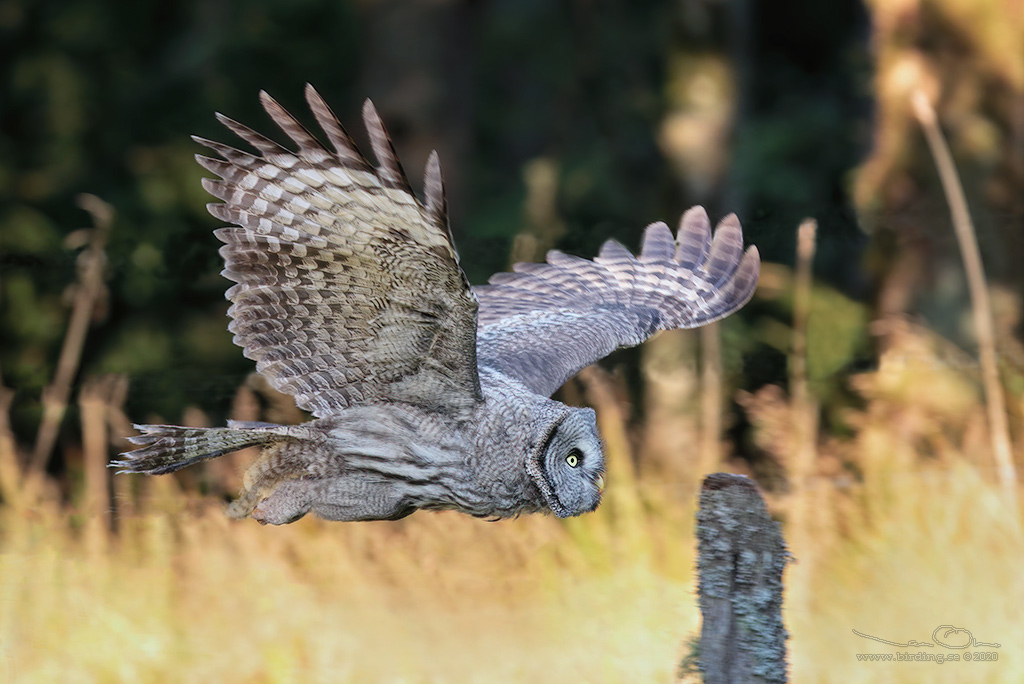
258, 514
284, 505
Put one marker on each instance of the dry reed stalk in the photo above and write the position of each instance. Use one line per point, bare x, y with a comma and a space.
119, 427
711, 394
544, 225
623, 493
56, 394
671, 381
976, 284
94, 402
10, 471
805, 247
804, 412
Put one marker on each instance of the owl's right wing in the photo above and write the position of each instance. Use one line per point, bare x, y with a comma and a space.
348, 289
542, 323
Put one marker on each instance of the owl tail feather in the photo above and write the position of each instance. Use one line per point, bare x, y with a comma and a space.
166, 448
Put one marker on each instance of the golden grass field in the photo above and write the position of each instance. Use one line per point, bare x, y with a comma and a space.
921, 537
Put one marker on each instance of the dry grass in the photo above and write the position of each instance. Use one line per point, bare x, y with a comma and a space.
906, 530
185, 595
909, 534
943, 550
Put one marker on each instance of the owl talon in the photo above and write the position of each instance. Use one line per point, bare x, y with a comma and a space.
258, 514
281, 506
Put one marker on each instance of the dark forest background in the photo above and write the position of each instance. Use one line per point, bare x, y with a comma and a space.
605, 115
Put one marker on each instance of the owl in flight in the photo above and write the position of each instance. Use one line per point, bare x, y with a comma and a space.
427, 393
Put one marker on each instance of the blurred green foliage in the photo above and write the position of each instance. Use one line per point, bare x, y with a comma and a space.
100, 96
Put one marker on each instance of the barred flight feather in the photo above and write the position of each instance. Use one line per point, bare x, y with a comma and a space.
348, 288
544, 322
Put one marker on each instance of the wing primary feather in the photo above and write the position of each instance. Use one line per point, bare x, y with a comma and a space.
383, 150
745, 278
543, 322
217, 166
257, 140
344, 145
238, 157
621, 263
726, 251
218, 189
590, 275
560, 258
657, 243
694, 238
347, 289
433, 188
289, 124
227, 214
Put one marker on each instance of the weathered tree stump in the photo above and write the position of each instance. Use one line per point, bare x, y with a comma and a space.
741, 559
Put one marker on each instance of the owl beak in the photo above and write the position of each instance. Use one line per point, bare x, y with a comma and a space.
599, 483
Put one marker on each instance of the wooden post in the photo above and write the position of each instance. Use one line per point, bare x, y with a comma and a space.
741, 559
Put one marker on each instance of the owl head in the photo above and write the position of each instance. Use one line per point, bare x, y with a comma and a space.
567, 465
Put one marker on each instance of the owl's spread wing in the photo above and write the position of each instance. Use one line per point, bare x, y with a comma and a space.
544, 322
348, 288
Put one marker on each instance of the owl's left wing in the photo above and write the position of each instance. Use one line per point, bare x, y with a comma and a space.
544, 322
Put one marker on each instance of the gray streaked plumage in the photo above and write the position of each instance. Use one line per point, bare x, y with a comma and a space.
427, 393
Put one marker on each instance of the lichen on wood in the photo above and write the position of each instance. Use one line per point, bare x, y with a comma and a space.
741, 559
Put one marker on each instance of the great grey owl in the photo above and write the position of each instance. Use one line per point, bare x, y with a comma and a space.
427, 393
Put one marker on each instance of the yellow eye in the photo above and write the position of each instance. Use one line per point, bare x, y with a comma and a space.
573, 459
